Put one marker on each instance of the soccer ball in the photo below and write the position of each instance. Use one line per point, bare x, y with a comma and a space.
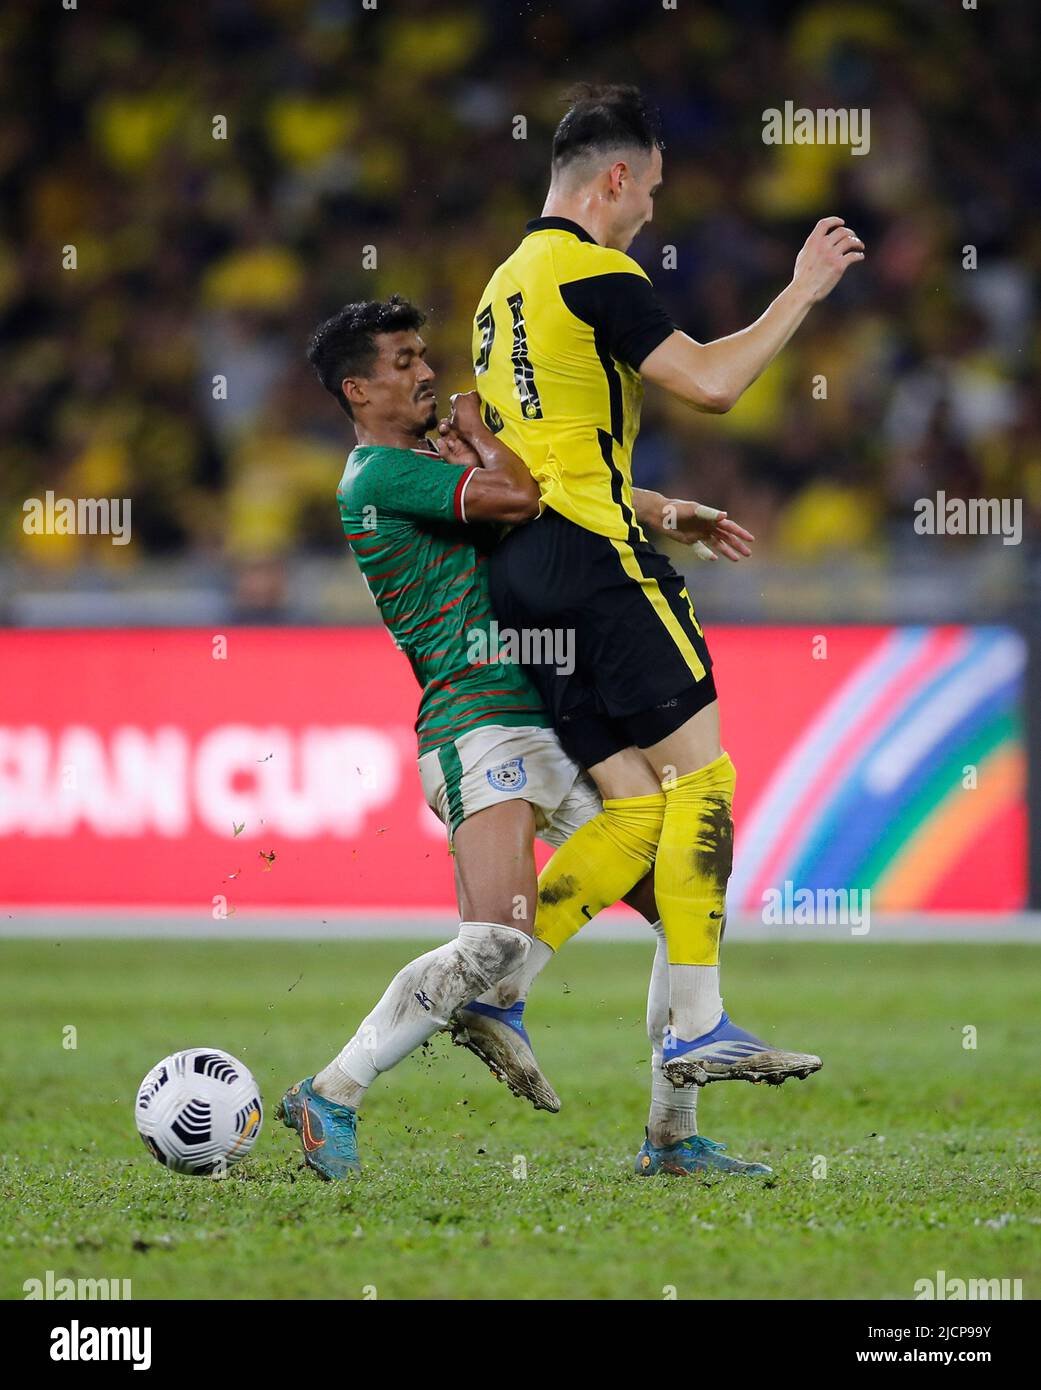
199, 1111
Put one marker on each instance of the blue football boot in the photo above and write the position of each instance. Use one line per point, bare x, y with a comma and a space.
694, 1155
328, 1131
728, 1053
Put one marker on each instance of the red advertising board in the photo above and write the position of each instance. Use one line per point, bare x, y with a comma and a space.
276, 768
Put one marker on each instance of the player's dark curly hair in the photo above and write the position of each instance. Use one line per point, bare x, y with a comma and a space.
345, 344
604, 116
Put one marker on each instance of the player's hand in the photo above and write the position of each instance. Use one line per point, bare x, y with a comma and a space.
452, 446
830, 249
466, 414
709, 531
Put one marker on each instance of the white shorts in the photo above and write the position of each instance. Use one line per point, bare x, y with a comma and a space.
493, 764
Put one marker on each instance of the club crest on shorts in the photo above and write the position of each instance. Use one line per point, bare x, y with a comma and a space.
508, 776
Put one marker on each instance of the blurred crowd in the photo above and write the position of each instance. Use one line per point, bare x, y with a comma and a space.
227, 174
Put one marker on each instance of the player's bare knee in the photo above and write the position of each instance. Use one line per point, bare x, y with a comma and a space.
498, 910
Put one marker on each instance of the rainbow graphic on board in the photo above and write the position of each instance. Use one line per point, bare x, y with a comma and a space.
909, 781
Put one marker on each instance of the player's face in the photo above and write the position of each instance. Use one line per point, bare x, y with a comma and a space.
399, 389
636, 203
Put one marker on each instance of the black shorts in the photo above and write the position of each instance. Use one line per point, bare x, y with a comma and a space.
620, 615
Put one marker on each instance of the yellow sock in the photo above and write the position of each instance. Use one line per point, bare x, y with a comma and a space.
695, 855
597, 865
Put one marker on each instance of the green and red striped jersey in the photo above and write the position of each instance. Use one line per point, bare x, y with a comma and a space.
403, 512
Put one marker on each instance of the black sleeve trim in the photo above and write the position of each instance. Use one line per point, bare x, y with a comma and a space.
624, 312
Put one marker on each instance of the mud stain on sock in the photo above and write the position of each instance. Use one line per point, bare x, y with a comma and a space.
713, 853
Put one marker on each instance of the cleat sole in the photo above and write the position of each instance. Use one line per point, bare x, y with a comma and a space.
523, 1084
773, 1068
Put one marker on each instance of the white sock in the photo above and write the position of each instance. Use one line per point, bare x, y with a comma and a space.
418, 1001
695, 1004
517, 984
674, 1109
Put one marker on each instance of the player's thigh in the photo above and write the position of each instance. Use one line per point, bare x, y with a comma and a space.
495, 768
641, 665
581, 803
693, 745
625, 773
495, 865
640, 642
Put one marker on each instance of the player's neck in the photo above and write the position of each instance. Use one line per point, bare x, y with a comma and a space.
583, 207
387, 437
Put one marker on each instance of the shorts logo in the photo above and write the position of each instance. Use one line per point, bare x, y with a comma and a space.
509, 776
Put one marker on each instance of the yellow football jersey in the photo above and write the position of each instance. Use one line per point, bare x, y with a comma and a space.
559, 335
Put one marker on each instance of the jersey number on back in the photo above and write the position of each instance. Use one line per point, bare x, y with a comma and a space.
523, 372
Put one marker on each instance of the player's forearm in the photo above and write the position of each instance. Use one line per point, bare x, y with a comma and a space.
649, 508
502, 489
736, 362
713, 376
497, 457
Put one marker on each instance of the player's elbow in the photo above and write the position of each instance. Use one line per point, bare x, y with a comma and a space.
702, 393
524, 497
522, 506
714, 399
694, 373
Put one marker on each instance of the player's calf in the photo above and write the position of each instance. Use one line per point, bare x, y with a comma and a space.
419, 1001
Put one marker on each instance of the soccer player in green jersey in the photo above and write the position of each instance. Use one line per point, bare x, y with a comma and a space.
417, 517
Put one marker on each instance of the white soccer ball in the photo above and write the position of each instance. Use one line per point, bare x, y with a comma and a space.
199, 1111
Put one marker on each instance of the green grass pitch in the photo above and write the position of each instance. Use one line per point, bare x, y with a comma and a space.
932, 1150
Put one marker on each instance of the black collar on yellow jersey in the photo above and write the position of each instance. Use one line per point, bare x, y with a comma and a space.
558, 224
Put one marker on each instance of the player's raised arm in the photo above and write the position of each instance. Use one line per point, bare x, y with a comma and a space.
500, 487
712, 376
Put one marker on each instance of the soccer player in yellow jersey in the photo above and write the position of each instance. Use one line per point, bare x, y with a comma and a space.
565, 333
